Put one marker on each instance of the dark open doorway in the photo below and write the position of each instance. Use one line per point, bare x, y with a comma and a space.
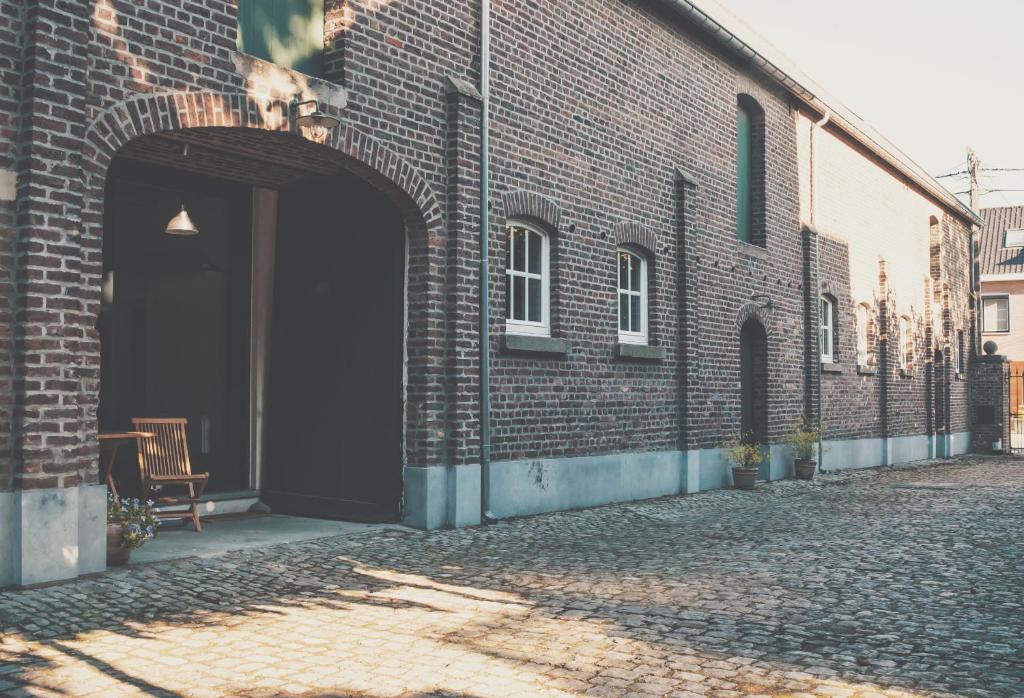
754, 387
335, 403
174, 323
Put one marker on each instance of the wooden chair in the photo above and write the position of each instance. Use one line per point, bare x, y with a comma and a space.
164, 462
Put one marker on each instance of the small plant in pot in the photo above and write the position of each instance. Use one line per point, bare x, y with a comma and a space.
130, 524
745, 455
803, 439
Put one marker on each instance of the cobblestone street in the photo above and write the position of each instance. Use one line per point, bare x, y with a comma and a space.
903, 581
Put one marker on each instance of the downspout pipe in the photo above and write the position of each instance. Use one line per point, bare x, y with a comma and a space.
486, 515
817, 261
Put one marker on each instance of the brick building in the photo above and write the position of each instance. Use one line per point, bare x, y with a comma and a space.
672, 208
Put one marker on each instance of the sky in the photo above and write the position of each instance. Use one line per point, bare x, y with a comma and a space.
933, 76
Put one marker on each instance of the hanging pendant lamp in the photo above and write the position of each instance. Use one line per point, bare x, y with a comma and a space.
181, 224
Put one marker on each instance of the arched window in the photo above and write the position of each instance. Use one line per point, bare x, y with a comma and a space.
827, 324
528, 280
935, 256
905, 343
750, 171
632, 297
865, 335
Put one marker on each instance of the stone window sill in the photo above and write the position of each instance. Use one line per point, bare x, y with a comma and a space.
831, 367
639, 352
533, 344
752, 250
866, 371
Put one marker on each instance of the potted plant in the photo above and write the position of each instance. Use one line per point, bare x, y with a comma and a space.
746, 456
803, 438
130, 524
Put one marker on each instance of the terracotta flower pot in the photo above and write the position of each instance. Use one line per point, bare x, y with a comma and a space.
117, 552
805, 468
744, 478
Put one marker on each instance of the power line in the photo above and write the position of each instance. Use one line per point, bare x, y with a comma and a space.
952, 174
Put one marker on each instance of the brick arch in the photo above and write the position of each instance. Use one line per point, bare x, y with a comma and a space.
525, 204
753, 310
367, 157
635, 234
149, 114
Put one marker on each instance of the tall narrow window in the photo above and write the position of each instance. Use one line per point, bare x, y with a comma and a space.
632, 297
744, 182
995, 316
905, 343
958, 353
863, 317
750, 171
289, 33
827, 330
527, 279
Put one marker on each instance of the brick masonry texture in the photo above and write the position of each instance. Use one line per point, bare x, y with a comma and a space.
598, 106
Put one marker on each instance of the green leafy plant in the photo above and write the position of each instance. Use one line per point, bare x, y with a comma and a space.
803, 438
743, 451
136, 517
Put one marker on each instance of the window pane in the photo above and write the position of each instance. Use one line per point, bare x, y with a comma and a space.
534, 299
536, 248
518, 298
289, 33
623, 270
519, 250
634, 314
743, 176
634, 273
1014, 238
624, 312
996, 315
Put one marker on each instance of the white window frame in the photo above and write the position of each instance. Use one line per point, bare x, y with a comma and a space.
995, 297
958, 339
1019, 235
826, 326
863, 315
628, 336
513, 326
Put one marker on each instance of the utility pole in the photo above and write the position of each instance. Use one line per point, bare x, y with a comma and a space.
972, 168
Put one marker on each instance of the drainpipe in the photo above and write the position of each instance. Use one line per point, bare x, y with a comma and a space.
817, 261
485, 295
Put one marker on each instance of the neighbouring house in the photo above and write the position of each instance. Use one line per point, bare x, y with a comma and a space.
688, 239
1001, 261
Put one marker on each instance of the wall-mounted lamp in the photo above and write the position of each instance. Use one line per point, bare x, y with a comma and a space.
318, 122
766, 301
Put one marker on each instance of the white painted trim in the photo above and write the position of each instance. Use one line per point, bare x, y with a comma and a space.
626, 336
513, 326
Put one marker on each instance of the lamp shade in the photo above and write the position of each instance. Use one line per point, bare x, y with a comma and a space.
181, 224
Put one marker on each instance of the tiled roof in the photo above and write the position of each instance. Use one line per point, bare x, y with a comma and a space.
994, 258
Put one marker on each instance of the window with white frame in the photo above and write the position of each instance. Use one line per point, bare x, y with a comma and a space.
863, 319
527, 276
827, 324
958, 353
1014, 237
632, 297
995, 315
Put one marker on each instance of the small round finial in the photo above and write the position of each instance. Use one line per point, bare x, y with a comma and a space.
990, 347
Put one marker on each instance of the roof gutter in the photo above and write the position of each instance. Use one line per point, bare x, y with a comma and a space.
737, 46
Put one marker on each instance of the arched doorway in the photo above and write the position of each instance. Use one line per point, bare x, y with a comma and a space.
278, 330
754, 385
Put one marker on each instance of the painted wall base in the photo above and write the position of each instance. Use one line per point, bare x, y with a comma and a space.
52, 534
441, 497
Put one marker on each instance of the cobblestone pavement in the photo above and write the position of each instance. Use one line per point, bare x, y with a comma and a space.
900, 582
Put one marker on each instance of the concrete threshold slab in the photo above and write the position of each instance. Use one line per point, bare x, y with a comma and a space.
240, 532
